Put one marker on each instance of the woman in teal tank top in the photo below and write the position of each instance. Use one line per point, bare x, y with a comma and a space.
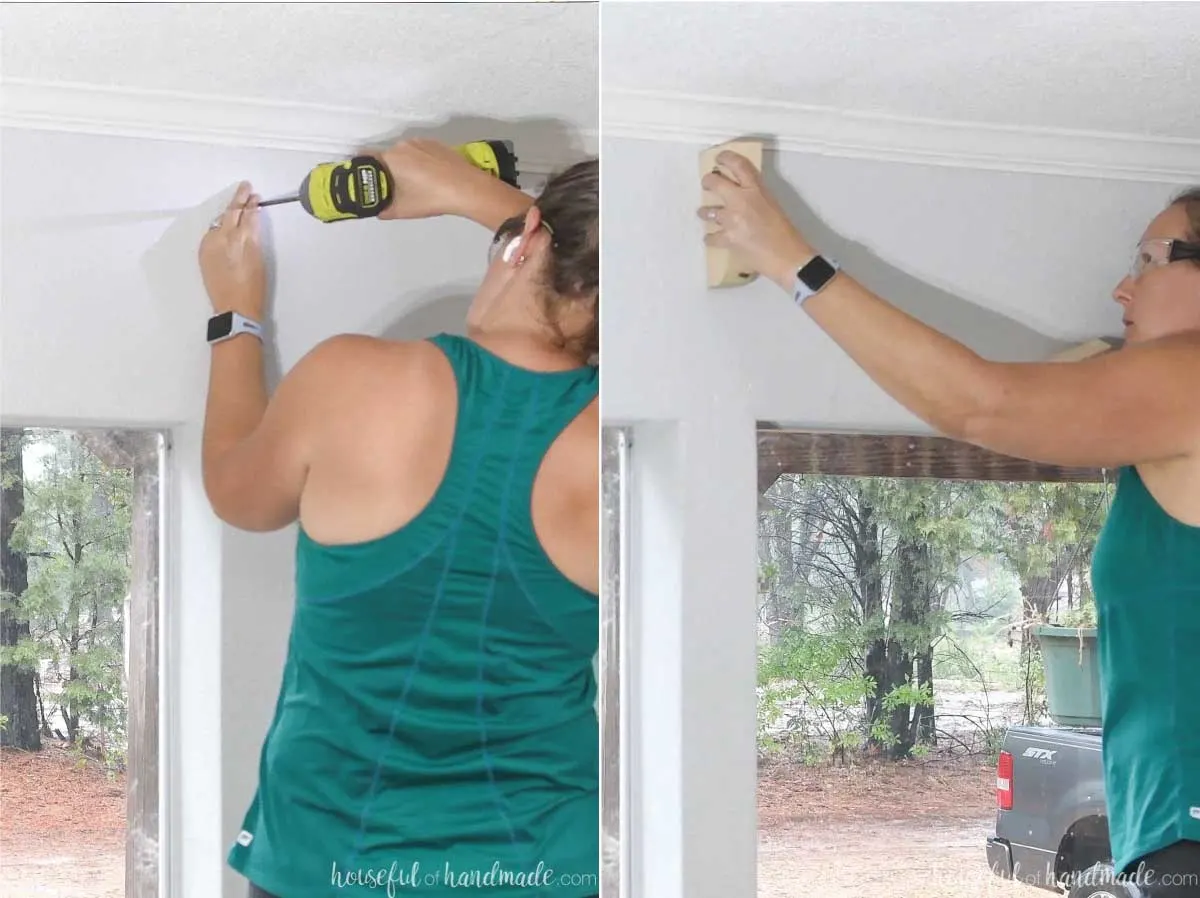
1137, 410
435, 731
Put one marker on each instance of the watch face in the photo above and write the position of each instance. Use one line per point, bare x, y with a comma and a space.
816, 273
220, 326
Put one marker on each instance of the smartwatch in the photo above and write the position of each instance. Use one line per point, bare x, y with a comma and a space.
810, 279
228, 325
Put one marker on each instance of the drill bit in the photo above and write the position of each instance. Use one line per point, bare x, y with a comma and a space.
280, 199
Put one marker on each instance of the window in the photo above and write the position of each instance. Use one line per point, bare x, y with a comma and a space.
905, 584
80, 543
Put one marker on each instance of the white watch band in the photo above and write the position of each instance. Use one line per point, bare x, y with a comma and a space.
803, 291
240, 325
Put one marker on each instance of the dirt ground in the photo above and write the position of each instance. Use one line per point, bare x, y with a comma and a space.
912, 830
62, 829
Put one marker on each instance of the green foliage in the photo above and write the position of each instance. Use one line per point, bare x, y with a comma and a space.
75, 532
811, 668
853, 569
3, 722
1041, 529
1080, 616
1034, 672
994, 737
910, 695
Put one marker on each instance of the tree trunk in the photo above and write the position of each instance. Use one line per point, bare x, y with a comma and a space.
785, 581
70, 710
806, 540
788, 541
910, 587
868, 570
771, 550
1038, 593
766, 585
926, 722
18, 700
41, 705
930, 603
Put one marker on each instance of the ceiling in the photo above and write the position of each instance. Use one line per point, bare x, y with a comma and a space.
414, 63
1123, 67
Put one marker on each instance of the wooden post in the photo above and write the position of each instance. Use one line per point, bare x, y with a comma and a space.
139, 451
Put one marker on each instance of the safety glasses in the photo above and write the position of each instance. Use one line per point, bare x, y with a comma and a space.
1157, 253
499, 242
507, 234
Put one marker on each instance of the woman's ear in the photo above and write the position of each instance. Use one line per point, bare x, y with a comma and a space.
533, 223
533, 219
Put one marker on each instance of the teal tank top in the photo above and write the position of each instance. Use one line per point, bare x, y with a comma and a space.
435, 732
1146, 579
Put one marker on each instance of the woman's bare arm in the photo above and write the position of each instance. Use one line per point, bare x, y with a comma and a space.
1141, 404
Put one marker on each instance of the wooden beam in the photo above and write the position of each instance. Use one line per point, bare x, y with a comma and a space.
891, 455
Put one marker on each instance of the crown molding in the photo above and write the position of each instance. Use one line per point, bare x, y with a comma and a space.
791, 127
205, 119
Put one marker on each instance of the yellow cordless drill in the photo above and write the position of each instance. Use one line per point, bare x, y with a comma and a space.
362, 187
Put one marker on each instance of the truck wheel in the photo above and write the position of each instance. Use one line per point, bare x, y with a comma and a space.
1097, 882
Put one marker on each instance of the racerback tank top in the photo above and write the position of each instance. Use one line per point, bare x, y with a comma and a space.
435, 732
1146, 579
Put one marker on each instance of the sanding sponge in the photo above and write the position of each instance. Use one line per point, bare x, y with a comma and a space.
1086, 350
726, 268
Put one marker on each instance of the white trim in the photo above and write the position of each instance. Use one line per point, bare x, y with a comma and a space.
792, 127
195, 557
170, 774
200, 118
655, 601
627, 671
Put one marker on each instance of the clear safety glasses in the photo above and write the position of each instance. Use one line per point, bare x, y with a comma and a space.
503, 239
1156, 253
499, 243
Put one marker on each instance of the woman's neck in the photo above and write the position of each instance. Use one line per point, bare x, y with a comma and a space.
525, 346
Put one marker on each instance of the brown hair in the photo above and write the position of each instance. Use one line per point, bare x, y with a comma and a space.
1190, 200
570, 206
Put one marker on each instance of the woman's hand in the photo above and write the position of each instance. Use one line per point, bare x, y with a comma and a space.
752, 222
430, 178
231, 258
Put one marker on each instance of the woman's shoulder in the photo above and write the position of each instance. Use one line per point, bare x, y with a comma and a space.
366, 368
349, 353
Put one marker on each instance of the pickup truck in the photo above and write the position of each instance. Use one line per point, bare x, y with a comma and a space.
1051, 818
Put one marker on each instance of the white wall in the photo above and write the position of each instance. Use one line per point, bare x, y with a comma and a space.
693, 371
88, 338
1012, 264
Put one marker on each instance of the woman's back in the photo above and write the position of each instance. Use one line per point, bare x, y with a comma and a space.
382, 461
437, 706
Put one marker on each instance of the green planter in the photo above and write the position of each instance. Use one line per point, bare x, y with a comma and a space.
1072, 674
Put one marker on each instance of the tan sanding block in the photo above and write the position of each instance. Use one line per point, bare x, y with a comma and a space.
1087, 349
725, 267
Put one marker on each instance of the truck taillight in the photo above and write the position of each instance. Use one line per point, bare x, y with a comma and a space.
1004, 782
